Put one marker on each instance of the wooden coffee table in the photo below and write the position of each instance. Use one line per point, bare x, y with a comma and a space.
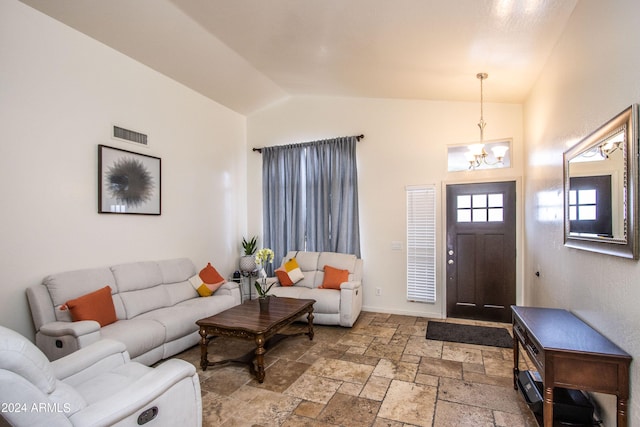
246, 321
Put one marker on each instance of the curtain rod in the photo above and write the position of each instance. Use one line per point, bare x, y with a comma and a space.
358, 138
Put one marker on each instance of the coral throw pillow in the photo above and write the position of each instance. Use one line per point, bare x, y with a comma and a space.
333, 277
290, 273
283, 277
97, 305
207, 281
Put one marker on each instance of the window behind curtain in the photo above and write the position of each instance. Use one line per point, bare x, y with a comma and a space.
421, 243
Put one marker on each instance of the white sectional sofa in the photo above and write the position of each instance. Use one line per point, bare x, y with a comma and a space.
155, 304
333, 307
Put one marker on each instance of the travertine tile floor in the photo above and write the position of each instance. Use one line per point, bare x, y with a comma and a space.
381, 372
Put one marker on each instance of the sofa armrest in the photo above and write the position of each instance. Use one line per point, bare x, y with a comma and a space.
350, 285
139, 394
57, 339
350, 302
75, 329
229, 285
91, 360
232, 289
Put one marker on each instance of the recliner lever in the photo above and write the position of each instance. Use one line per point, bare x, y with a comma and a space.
147, 415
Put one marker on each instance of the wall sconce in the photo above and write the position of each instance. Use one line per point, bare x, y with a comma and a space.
477, 155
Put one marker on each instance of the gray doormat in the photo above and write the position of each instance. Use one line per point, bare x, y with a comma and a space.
469, 334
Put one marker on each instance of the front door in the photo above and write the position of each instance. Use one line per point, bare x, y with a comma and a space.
481, 250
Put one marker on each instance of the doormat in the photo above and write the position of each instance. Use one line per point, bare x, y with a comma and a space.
469, 334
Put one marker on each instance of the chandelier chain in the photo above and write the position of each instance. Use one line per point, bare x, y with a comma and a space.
482, 123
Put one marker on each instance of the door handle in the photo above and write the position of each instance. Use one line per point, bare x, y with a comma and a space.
450, 261
450, 251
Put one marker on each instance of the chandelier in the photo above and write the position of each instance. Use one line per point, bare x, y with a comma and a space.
477, 155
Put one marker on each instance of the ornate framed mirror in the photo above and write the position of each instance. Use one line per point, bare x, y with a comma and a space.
601, 189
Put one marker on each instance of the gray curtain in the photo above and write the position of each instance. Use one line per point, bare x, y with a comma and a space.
282, 198
310, 197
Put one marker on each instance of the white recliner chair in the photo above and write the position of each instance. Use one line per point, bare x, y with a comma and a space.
95, 386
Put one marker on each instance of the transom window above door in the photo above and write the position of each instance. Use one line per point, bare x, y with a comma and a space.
480, 207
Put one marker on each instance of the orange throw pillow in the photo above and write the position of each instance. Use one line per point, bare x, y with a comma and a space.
97, 305
207, 281
210, 275
283, 277
333, 277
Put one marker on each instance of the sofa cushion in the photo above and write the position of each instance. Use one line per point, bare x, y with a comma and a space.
96, 305
288, 291
71, 284
179, 292
337, 260
111, 382
180, 320
137, 275
176, 270
334, 277
144, 300
175, 276
310, 280
200, 308
308, 261
177, 321
327, 300
139, 335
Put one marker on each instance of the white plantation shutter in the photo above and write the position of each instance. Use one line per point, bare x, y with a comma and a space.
421, 243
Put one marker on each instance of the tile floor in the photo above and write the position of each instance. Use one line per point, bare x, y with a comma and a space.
381, 372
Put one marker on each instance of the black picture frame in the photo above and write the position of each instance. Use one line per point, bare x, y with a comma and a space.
128, 183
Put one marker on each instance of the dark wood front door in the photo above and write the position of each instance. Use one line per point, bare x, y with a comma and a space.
481, 250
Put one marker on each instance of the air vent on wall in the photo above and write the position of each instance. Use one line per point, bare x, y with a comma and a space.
129, 135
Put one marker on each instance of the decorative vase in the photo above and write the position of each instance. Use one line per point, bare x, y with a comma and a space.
264, 304
247, 263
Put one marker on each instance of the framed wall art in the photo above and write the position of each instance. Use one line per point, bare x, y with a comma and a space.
128, 182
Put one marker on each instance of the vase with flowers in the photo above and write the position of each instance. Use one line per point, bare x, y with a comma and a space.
263, 257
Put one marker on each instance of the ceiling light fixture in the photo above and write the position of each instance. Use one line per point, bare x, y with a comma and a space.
608, 147
477, 155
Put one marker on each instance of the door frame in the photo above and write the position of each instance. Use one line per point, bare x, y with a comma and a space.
520, 255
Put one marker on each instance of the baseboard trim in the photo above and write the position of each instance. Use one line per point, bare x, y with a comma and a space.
429, 315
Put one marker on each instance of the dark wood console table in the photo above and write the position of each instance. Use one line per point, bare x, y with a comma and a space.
569, 353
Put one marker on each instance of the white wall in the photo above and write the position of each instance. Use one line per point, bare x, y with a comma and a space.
405, 144
591, 76
60, 94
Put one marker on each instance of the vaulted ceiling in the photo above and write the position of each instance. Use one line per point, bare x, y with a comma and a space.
247, 54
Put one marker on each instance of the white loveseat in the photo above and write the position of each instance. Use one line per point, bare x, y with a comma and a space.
155, 304
332, 307
95, 386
